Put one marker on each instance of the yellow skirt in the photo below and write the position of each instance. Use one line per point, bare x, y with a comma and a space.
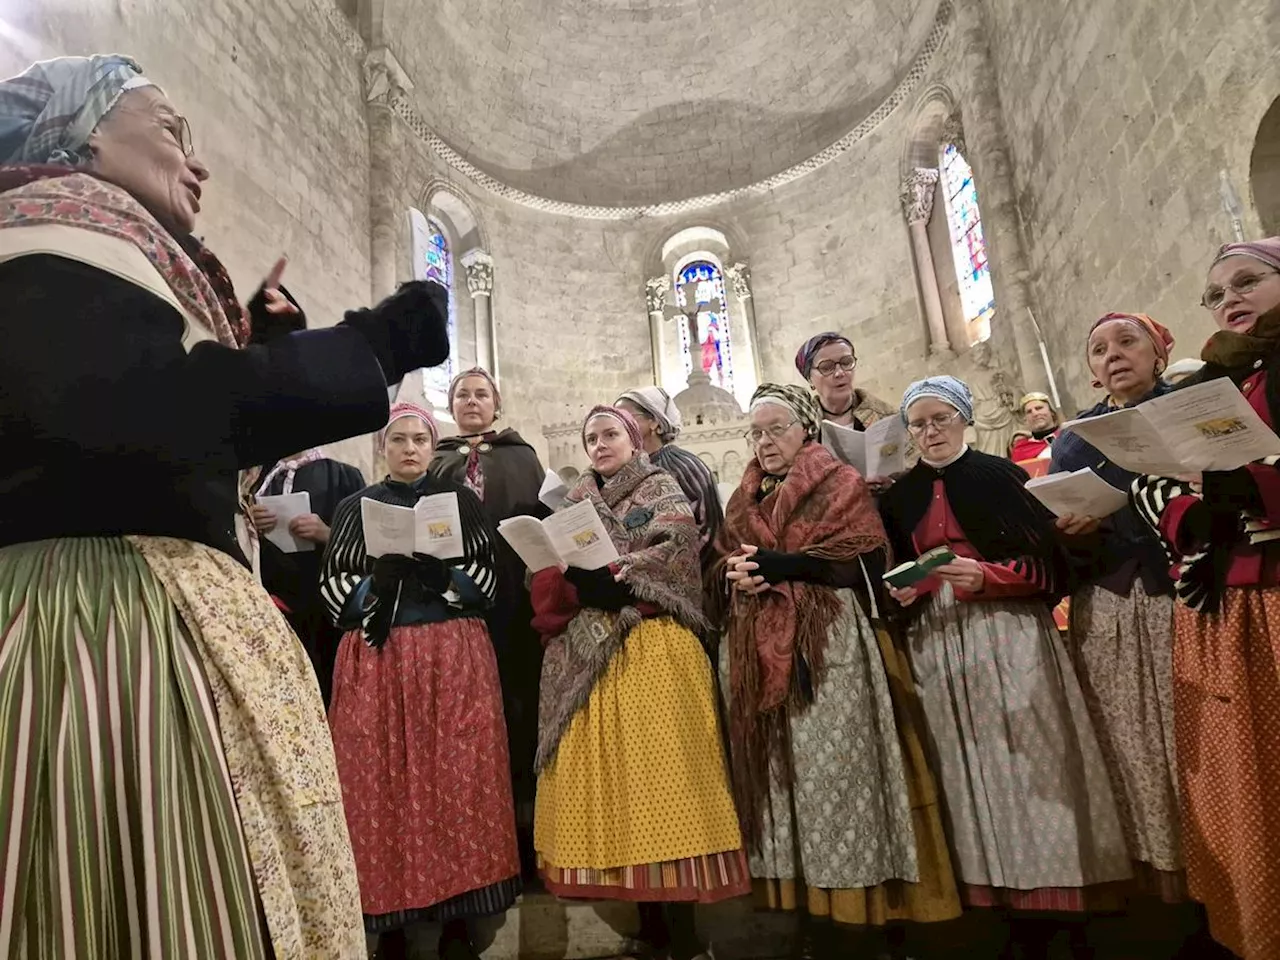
637, 795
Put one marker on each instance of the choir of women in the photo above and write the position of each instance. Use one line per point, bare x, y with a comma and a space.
872, 758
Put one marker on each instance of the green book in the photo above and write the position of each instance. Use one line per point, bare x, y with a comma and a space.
913, 571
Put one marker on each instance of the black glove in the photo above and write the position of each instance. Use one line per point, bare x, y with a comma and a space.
597, 588
432, 573
389, 572
265, 326
1232, 490
778, 568
407, 330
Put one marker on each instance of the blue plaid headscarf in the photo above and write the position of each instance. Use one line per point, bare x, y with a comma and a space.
49, 110
947, 389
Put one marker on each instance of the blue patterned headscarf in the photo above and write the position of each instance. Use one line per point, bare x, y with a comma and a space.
947, 389
49, 110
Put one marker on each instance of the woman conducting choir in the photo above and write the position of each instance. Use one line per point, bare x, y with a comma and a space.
633, 795
1030, 811
1222, 529
417, 712
168, 779
838, 825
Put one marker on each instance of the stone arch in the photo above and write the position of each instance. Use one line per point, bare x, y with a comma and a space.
443, 201
936, 123
1264, 170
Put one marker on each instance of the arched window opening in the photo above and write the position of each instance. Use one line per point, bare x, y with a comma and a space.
968, 243
433, 260
704, 340
1264, 170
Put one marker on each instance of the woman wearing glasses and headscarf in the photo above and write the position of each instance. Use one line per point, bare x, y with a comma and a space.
1032, 818
168, 778
835, 798
1222, 530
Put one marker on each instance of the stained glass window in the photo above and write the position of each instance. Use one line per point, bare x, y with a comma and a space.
714, 357
434, 261
968, 244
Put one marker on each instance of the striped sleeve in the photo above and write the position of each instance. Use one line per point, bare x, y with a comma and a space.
345, 562
478, 563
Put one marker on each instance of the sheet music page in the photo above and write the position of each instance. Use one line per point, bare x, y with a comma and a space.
1128, 438
1211, 426
580, 537
287, 507
388, 530
886, 447
1082, 493
531, 542
553, 491
846, 444
439, 526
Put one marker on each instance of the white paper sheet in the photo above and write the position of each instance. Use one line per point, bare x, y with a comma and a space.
438, 526
288, 507
553, 491
1082, 493
531, 542
877, 453
1206, 427
388, 530
580, 537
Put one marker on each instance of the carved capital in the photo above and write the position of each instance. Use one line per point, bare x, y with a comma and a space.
953, 132
917, 193
479, 268
655, 293
384, 78
740, 276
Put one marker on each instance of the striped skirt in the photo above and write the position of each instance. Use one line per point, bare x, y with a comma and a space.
152, 802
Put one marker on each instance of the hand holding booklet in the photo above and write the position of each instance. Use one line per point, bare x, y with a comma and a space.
287, 507
879, 451
1082, 493
913, 571
1209, 426
432, 526
574, 537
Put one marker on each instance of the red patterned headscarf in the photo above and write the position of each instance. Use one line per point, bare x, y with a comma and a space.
408, 408
1160, 336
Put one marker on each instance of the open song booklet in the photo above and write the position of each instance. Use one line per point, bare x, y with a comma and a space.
432, 526
1082, 493
1206, 427
574, 537
879, 451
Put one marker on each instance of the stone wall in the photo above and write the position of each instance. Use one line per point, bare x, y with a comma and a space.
1120, 117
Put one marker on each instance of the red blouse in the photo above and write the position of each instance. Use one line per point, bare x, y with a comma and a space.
1029, 448
1250, 566
940, 526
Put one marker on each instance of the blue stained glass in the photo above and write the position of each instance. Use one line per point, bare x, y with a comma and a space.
715, 356
968, 244
438, 266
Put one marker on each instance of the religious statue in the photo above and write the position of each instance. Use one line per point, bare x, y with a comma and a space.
705, 352
994, 403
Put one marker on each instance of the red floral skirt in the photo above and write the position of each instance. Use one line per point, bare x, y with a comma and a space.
422, 755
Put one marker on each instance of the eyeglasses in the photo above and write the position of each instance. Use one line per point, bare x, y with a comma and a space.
180, 130
829, 367
756, 435
938, 422
1215, 297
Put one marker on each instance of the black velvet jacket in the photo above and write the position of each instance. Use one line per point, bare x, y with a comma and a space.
108, 426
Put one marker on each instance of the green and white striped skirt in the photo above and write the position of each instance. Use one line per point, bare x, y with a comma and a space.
153, 706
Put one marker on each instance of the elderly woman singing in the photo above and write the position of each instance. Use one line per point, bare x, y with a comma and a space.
168, 778
829, 773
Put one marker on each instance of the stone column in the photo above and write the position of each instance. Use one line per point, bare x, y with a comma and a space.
987, 150
917, 194
479, 267
384, 79
740, 278
655, 295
